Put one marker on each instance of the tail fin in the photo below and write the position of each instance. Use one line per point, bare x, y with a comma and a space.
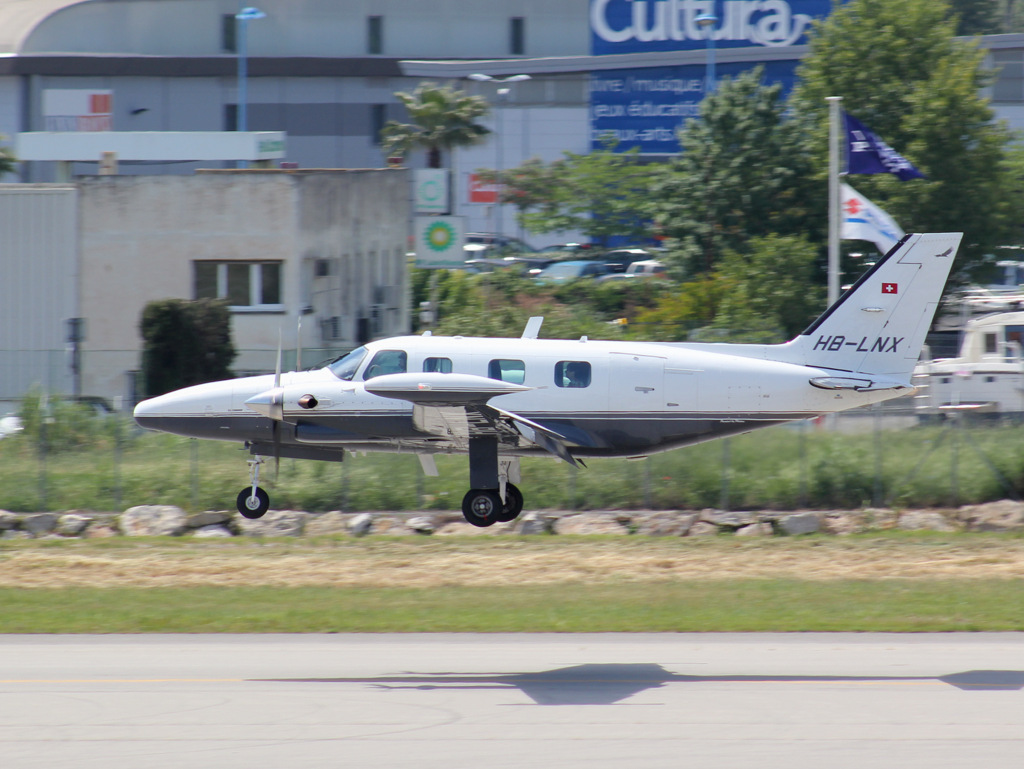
879, 325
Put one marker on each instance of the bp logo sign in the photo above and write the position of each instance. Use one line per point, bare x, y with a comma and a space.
440, 236
439, 241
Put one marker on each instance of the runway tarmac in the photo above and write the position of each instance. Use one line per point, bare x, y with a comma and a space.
821, 701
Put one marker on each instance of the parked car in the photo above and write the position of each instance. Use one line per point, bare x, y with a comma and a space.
647, 268
562, 272
480, 245
618, 259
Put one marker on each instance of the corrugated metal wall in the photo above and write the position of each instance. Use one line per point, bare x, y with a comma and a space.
38, 286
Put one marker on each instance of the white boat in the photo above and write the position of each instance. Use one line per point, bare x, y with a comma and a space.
987, 376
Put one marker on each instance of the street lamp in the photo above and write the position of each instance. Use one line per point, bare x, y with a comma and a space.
503, 92
707, 21
243, 17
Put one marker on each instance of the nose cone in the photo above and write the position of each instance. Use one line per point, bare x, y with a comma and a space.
269, 403
211, 410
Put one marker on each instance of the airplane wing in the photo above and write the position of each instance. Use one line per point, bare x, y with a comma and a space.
455, 407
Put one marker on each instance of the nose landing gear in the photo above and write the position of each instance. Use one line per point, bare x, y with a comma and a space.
253, 502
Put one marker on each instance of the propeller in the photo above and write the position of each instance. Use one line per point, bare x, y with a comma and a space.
277, 409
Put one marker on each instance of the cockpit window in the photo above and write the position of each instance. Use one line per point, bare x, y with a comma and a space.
345, 368
386, 362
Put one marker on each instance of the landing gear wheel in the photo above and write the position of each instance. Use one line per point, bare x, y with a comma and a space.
513, 504
481, 507
251, 505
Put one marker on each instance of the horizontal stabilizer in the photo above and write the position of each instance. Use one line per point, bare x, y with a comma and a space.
441, 389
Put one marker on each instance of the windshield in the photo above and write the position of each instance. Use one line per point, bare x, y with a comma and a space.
345, 368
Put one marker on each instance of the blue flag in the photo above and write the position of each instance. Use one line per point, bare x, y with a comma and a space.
867, 154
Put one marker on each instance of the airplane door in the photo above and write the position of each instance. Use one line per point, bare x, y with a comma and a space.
636, 382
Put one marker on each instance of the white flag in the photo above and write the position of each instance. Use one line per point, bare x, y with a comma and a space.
863, 220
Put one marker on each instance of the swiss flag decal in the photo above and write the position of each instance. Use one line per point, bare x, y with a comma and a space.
890, 288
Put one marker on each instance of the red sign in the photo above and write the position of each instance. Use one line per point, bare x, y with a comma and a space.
889, 288
482, 192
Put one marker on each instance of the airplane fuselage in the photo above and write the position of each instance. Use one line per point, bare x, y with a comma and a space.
639, 398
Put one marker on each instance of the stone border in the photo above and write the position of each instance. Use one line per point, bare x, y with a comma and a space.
167, 520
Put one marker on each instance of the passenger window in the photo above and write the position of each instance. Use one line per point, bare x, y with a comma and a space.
513, 371
386, 362
438, 365
572, 373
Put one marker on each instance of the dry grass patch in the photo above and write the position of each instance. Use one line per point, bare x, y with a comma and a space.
429, 562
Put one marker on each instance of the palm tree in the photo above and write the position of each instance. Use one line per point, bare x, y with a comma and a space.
442, 118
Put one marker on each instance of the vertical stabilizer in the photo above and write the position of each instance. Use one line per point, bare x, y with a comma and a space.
879, 325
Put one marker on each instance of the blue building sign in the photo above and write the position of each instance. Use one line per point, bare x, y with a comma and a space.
646, 107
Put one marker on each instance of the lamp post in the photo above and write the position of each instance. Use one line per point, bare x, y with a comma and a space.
503, 92
707, 21
243, 17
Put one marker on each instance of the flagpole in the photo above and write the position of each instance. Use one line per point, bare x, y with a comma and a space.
833, 198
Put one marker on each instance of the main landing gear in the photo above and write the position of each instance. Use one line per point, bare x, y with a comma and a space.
253, 502
483, 507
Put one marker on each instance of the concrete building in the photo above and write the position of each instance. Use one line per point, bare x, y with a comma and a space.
314, 258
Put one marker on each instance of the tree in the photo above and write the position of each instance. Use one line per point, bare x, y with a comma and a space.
976, 17
902, 73
185, 343
770, 293
442, 118
8, 163
601, 194
743, 172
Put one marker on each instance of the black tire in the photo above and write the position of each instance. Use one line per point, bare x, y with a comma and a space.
250, 506
481, 507
513, 504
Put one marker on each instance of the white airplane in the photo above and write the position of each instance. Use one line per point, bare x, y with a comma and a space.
501, 399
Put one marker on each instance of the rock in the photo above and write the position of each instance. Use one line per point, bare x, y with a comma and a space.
589, 523
421, 524
534, 523
755, 530
916, 520
100, 531
664, 524
214, 530
1004, 515
360, 525
208, 518
729, 519
328, 524
844, 523
9, 534
39, 524
276, 523
72, 524
799, 523
153, 521
702, 529
9, 520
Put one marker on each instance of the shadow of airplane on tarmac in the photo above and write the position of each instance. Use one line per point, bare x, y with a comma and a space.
597, 684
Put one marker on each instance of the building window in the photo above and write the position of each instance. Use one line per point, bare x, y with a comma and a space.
247, 286
991, 343
375, 34
517, 35
230, 117
378, 115
229, 33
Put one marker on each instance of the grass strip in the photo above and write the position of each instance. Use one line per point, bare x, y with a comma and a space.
781, 605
